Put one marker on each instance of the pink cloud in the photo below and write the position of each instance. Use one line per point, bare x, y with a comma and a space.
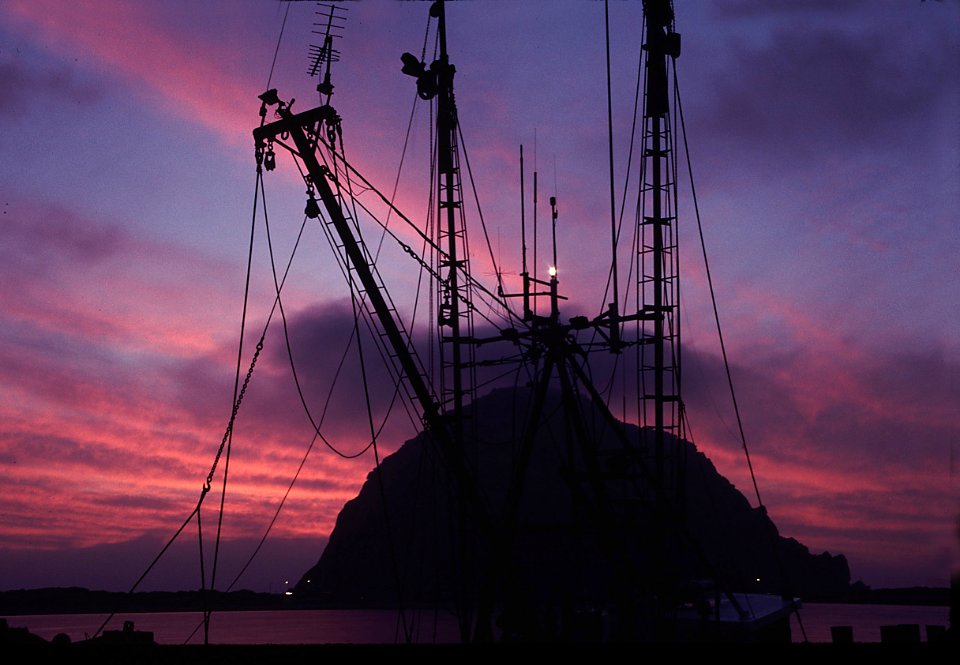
64, 272
113, 411
850, 445
186, 76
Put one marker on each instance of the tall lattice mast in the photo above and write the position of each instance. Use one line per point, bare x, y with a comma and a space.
658, 279
455, 311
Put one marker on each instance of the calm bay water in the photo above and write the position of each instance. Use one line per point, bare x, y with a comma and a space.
865, 620
256, 627
382, 626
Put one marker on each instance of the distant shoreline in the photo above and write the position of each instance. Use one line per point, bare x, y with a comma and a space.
77, 600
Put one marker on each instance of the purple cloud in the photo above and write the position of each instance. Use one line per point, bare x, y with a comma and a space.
25, 86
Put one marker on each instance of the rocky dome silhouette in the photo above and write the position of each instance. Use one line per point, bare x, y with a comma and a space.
410, 536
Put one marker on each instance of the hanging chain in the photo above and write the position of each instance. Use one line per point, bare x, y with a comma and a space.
416, 257
233, 417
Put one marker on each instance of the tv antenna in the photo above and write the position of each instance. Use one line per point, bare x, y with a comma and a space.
330, 24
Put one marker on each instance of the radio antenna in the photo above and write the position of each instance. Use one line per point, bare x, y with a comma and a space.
330, 25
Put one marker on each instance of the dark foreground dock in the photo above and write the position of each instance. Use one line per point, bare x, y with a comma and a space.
900, 642
819, 653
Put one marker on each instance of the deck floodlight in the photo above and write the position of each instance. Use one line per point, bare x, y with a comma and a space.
411, 65
270, 97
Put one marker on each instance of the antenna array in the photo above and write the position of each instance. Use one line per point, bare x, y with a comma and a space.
330, 24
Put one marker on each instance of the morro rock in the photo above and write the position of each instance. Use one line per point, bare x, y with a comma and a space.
415, 535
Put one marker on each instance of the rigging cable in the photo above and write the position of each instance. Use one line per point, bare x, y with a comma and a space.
286, 333
370, 318
611, 274
634, 255
386, 355
370, 325
373, 260
429, 249
716, 316
303, 460
238, 398
296, 475
236, 384
153, 563
317, 434
279, 40
678, 408
203, 585
474, 283
309, 449
376, 459
713, 297
403, 152
473, 184
355, 295
613, 205
213, 574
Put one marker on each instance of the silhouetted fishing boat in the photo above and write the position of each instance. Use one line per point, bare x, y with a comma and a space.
631, 569
563, 520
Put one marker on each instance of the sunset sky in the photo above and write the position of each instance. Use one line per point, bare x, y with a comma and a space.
825, 144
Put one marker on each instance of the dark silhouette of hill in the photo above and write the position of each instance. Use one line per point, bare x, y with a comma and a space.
410, 537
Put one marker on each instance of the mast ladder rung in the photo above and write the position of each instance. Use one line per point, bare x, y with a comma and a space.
665, 398
663, 152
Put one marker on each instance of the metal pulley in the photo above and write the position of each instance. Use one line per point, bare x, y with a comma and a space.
312, 210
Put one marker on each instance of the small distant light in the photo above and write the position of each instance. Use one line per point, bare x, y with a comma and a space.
552, 270
288, 593
308, 581
758, 579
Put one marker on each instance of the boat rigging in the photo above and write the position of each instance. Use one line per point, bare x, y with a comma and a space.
626, 485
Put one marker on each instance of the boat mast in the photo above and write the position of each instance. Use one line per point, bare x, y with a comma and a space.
658, 278
455, 315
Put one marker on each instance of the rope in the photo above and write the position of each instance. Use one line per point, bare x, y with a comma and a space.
427, 240
385, 353
713, 296
236, 393
303, 460
286, 334
317, 434
366, 395
203, 585
277, 50
155, 560
613, 205
239, 392
237, 399
380, 485
619, 227
500, 301
723, 350
396, 181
